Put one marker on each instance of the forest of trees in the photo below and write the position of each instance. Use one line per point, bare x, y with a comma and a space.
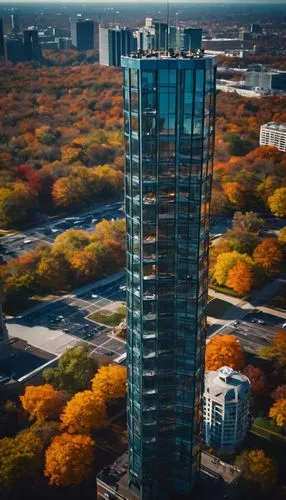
61, 139
61, 142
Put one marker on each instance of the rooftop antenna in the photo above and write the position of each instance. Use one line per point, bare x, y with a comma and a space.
168, 22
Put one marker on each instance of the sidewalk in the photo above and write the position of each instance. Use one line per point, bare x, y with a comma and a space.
241, 307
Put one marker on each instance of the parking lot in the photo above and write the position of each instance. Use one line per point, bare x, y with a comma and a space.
256, 330
22, 242
70, 315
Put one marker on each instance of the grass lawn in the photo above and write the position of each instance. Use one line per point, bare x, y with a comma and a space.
217, 307
265, 427
223, 289
109, 318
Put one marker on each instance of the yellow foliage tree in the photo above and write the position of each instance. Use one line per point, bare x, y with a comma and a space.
278, 412
43, 401
240, 278
256, 466
68, 459
84, 412
226, 261
277, 202
110, 381
224, 350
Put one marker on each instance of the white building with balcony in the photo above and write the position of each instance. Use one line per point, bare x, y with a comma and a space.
273, 134
225, 409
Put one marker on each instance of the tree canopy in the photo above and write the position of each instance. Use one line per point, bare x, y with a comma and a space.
278, 412
84, 412
42, 402
257, 467
110, 382
68, 459
224, 350
74, 371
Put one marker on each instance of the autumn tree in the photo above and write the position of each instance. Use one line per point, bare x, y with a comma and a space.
257, 467
74, 371
69, 241
16, 204
257, 379
84, 412
279, 392
20, 459
42, 402
220, 204
240, 278
269, 254
110, 381
282, 235
53, 272
226, 261
276, 350
241, 241
278, 412
247, 221
68, 459
224, 350
277, 202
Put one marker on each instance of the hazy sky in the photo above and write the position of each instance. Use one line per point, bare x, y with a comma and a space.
83, 2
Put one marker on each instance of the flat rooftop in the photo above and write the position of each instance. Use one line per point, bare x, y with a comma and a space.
275, 126
169, 55
115, 476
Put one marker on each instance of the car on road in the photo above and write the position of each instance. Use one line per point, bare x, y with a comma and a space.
235, 323
122, 287
284, 325
94, 296
26, 241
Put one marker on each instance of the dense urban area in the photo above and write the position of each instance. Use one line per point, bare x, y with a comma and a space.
68, 121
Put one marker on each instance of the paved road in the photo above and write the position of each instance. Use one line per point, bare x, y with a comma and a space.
19, 243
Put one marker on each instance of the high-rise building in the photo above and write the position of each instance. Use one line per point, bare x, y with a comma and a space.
4, 347
32, 47
15, 23
191, 38
114, 43
226, 408
273, 134
169, 116
2, 46
15, 50
82, 34
267, 79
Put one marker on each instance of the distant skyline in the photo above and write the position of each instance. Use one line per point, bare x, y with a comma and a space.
134, 2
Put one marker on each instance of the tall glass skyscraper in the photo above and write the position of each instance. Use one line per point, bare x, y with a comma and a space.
169, 114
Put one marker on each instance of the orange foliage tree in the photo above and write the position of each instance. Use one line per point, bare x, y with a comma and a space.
257, 467
68, 459
224, 350
84, 412
110, 381
269, 254
276, 350
240, 278
42, 401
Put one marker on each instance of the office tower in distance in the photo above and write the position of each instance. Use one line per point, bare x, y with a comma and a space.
2, 46
15, 51
273, 134
82, 34
15, 23
32, 47
114, 43
226, 407
169, 116
191, 38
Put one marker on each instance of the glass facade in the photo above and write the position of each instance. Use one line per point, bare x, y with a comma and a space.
169, 114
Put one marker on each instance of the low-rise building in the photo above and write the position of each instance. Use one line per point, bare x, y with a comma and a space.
273, 134
226, 407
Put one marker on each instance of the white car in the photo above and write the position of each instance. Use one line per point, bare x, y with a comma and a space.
26, 241
94, 296
122, 287
284, 325
54, 230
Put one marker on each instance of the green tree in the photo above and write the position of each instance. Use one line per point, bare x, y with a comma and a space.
247, 221
74, 371
16, 204
242, 241
276, 350
20, 459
